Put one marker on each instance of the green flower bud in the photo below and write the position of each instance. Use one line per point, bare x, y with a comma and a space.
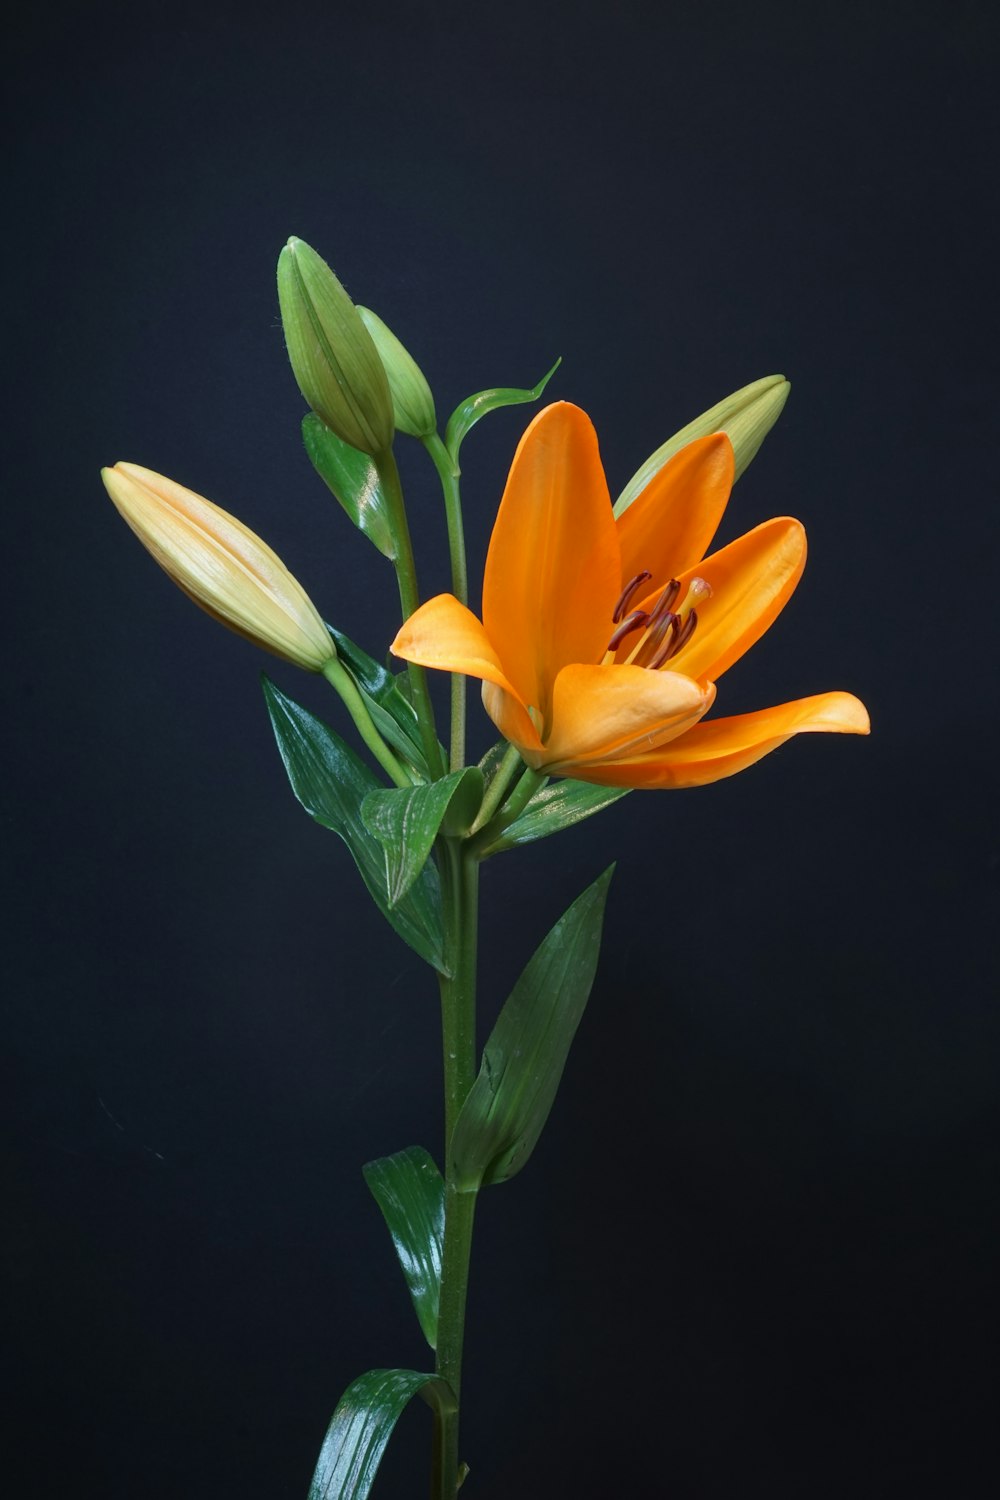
746, 417
334, 360
412, 402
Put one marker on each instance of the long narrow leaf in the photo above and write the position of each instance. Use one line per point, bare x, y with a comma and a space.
502, 1118
406, 822
465, 417
409, 1190
362, 1425
332, 783
555, 807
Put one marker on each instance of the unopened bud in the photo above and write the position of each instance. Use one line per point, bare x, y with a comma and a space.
334, 360
746, 417
222, 565
412, 402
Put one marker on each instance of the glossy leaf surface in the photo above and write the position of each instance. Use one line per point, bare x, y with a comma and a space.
409, 1190
362, 1425
557, 806
353, 479
391, 710
503, 1116
331, 783
465, 417
406, 822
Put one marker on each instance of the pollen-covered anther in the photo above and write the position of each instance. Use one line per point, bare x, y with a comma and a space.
635, 621
628, 594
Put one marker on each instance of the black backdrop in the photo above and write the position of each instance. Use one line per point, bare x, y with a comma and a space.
753, 1253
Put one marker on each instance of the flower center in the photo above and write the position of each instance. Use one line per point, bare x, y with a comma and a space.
664, 630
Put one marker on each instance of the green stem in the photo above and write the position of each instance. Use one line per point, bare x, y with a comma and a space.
339, 678
449, 473
497, 789
458, 1027
409, 599
529, 784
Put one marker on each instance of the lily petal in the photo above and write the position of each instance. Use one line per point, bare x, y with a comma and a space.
553, 570
605, 712
442, 633
711, 751
508, 714
752, 580
670, 524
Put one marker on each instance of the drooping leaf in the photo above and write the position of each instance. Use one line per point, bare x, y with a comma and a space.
353, 479
503, 1116
406, 822
362, 1425
409, 1190
465, 416
390, 707
557, 806
331, 782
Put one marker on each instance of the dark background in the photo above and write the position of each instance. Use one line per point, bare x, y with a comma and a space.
754, 1252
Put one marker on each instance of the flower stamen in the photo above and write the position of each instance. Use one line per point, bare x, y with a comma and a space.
664, 630
635, 621
627, 595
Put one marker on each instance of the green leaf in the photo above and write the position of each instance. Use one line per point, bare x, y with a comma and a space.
500, 1122
394, 715
406, 822
555, 807
409, 1190
354, 481
331, 783
465, 417
362, 1425
493, 760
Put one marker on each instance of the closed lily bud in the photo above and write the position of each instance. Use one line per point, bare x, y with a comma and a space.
332, 354
746, 417
412, 402
222, 565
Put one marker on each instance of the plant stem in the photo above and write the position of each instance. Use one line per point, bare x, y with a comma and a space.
460, 872
450, 474
341, 680
409, 599
497, 789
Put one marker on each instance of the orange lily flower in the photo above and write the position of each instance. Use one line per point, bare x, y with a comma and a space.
602, 639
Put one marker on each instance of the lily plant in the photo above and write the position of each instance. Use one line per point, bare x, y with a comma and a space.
604, 631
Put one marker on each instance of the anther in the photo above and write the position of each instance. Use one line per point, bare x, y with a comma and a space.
668, 644
627, 595
635, 621
686, 632
664, 603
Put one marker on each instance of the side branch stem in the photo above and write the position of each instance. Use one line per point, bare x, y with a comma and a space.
341, 680
450, 474
409, 599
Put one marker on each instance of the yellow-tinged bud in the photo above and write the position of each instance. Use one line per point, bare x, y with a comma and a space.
412, 402
332, 354
222, 565
746, 417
